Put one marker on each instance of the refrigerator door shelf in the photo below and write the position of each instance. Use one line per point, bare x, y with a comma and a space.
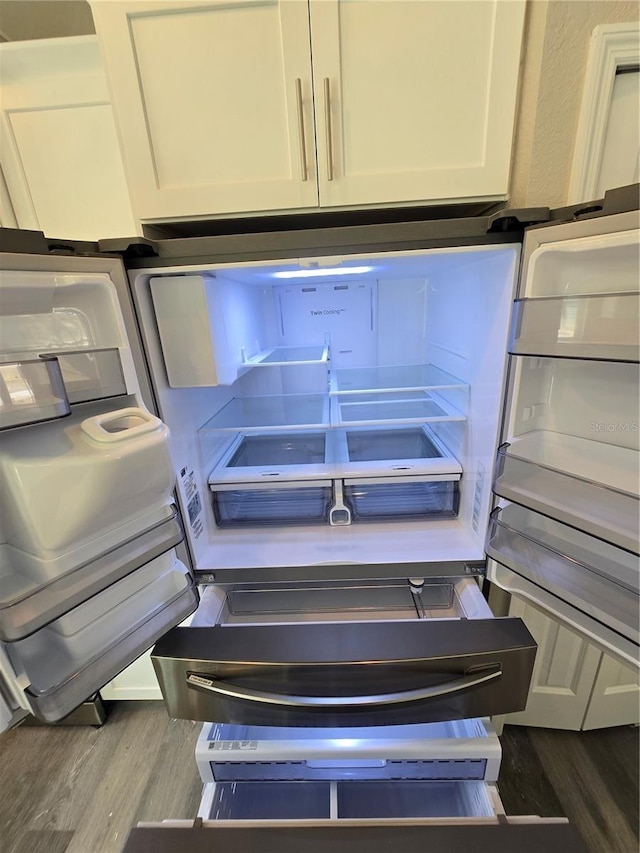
591, 576
354, 656
460, 750
30, 600
72, 657
583, 483
91, 374
31, 391
590, 326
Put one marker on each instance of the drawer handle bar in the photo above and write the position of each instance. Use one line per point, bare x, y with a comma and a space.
213, 685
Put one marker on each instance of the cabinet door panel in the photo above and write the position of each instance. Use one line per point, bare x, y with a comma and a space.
421, 98
213, 121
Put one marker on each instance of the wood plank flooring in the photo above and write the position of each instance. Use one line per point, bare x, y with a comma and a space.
80, 790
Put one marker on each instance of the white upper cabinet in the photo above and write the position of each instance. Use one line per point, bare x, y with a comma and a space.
213, 102
59, 148
231, 106
414, 99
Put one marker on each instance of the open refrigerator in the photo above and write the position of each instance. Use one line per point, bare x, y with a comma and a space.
353, 418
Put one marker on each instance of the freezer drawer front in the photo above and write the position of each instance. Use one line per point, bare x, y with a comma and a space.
346, 674
525, 837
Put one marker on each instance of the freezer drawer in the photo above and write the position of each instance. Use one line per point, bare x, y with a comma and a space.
526, 835
459, 750
406, 667
336, 801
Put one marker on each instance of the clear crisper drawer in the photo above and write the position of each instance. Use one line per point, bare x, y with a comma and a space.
591, 326
78, 653
31, 390
378, 500
295, 503
593, 576
586, 484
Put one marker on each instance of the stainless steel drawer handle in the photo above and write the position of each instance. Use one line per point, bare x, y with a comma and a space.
213, 685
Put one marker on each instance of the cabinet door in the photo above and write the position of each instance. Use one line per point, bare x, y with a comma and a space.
414, 100
58, 138
213, 102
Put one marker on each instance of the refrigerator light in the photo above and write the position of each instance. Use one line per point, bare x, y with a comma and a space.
327, 271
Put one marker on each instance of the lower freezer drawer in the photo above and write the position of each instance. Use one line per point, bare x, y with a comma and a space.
372, 673
252, 801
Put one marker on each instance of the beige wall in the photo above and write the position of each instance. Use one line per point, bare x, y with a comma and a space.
43, 19
556, 45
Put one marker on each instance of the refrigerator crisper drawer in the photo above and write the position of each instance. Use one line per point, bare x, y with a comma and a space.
262, 504
380, 499
456, 750
595, 577
402, 668
75, 655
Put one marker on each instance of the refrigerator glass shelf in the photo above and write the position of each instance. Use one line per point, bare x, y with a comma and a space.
396, 408
272, 412
413, 377
283, 356
591, 326
587, 484
593, 576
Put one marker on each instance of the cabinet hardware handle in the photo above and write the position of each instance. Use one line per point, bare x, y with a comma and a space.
303, 153
456, 685
327, 127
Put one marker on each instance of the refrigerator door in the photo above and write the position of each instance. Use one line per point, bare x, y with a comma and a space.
564, 534
89, 573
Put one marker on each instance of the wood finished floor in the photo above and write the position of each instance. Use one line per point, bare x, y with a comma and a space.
80, 790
